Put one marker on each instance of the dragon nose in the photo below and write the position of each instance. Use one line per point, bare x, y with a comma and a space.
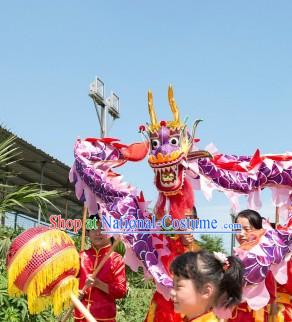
165, 149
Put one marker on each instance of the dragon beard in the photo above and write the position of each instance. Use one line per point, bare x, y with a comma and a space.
180, 204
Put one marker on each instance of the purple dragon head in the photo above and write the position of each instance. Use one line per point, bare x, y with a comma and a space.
170, 143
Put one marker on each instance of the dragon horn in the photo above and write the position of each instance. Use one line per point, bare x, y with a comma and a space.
172, 104
152, 113
195, 127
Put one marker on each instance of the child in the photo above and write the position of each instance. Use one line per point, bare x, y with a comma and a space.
110, 282
203, 280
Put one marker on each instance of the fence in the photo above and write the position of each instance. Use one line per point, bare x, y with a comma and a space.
14, 220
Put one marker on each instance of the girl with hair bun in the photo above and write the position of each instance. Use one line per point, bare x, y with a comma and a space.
203, 281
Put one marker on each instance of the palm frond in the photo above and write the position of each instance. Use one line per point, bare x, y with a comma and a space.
19, 196
14, 197
8, 151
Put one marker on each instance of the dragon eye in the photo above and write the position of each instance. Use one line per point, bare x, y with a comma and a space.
155, 144
174, 141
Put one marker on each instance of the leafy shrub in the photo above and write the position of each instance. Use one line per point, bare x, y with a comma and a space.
134, 307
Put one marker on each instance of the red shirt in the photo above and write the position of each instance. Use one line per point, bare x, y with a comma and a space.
100, 304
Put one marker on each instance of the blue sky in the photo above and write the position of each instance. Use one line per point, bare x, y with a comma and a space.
229, 62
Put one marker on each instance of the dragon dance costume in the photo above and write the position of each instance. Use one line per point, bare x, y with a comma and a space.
284, 292
284, 298
271, 249
179, 168
101, 305
243, 312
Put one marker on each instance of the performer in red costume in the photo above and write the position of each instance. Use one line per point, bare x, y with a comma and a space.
110, 283
179, 168
252, 230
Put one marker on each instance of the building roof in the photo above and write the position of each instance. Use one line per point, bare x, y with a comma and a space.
55, 176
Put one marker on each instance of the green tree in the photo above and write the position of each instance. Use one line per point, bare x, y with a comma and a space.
212, 243
11, 197
17, 196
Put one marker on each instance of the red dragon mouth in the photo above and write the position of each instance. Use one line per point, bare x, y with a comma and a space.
169, 172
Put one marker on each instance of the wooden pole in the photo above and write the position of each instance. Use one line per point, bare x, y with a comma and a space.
277, 216
77, 303
98, 268
83, 228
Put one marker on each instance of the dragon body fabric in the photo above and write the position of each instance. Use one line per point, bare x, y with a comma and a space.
179, 169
